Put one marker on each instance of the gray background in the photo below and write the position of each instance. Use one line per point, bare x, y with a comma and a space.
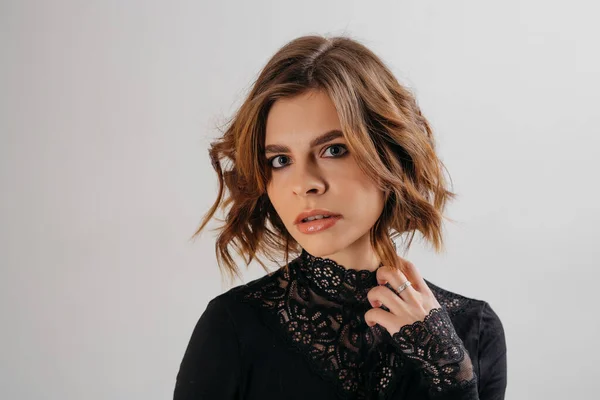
107, 109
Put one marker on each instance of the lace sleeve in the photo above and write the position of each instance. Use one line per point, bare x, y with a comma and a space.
434, 348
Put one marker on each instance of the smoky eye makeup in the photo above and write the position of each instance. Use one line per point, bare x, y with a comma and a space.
276, 158
280, 157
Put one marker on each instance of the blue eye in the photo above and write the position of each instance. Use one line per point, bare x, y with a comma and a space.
275, 159
335, 151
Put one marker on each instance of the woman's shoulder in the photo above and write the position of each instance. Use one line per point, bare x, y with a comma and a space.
466, 311
454, 303
237, 297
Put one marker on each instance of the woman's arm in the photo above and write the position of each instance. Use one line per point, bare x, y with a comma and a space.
492, 356
433, 347
210, 368
422, 330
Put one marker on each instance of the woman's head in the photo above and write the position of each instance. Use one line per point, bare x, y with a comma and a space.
381, 174
311, 169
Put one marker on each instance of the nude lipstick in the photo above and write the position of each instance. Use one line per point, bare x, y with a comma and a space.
314, 221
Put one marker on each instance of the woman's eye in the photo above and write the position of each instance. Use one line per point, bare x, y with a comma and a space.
335, 150
276, 162
338, 150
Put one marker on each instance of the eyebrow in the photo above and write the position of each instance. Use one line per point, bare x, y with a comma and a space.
322, 139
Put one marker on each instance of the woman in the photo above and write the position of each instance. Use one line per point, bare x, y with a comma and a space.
330, 158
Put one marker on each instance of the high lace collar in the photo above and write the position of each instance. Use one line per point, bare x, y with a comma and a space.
333, 280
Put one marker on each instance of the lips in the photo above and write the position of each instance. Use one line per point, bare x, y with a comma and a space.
318, 225
314, 213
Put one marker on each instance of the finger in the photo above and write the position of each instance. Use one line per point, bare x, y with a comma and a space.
381, 295
413, 275
383, 318
395, 278
391, 275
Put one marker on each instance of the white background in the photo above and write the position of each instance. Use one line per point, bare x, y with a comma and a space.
106, 112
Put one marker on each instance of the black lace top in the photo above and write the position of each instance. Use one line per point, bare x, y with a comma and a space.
300, 333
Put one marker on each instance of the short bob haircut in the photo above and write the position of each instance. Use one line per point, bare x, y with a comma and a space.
384, 128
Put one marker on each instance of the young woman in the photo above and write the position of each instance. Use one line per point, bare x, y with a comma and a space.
329, 158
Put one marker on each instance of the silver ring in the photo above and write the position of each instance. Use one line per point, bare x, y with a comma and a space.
404, 286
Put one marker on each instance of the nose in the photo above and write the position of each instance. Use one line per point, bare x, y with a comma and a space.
308, 180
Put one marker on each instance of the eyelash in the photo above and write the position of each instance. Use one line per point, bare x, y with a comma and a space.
270, 160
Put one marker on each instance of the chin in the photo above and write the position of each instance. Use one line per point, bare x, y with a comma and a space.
320, 246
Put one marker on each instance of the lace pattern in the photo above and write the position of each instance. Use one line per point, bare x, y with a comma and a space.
318, 307
333, 281
333, 336
436, 350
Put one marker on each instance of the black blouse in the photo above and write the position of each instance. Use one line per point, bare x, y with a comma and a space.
300, 333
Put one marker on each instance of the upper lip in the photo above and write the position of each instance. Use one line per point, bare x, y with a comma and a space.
306, 214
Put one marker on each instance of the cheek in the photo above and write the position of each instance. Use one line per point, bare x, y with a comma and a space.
366, 202
361, 195
277, 198
354, 184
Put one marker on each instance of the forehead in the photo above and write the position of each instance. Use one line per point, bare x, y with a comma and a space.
300, 118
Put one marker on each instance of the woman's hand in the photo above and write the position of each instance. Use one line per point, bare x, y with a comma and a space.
413, 304
422, 331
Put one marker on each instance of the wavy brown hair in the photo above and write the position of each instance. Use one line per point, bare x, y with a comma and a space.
386, 133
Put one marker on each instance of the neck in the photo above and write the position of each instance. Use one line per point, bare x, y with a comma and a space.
360, 255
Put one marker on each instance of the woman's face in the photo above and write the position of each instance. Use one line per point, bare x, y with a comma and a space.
311, 174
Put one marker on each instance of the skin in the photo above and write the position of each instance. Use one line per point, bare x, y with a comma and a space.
411, 305
323, 177
327, 177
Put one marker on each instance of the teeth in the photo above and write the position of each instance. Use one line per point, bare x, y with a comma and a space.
315, 217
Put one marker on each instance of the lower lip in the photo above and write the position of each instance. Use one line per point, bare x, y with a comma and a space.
317, 225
